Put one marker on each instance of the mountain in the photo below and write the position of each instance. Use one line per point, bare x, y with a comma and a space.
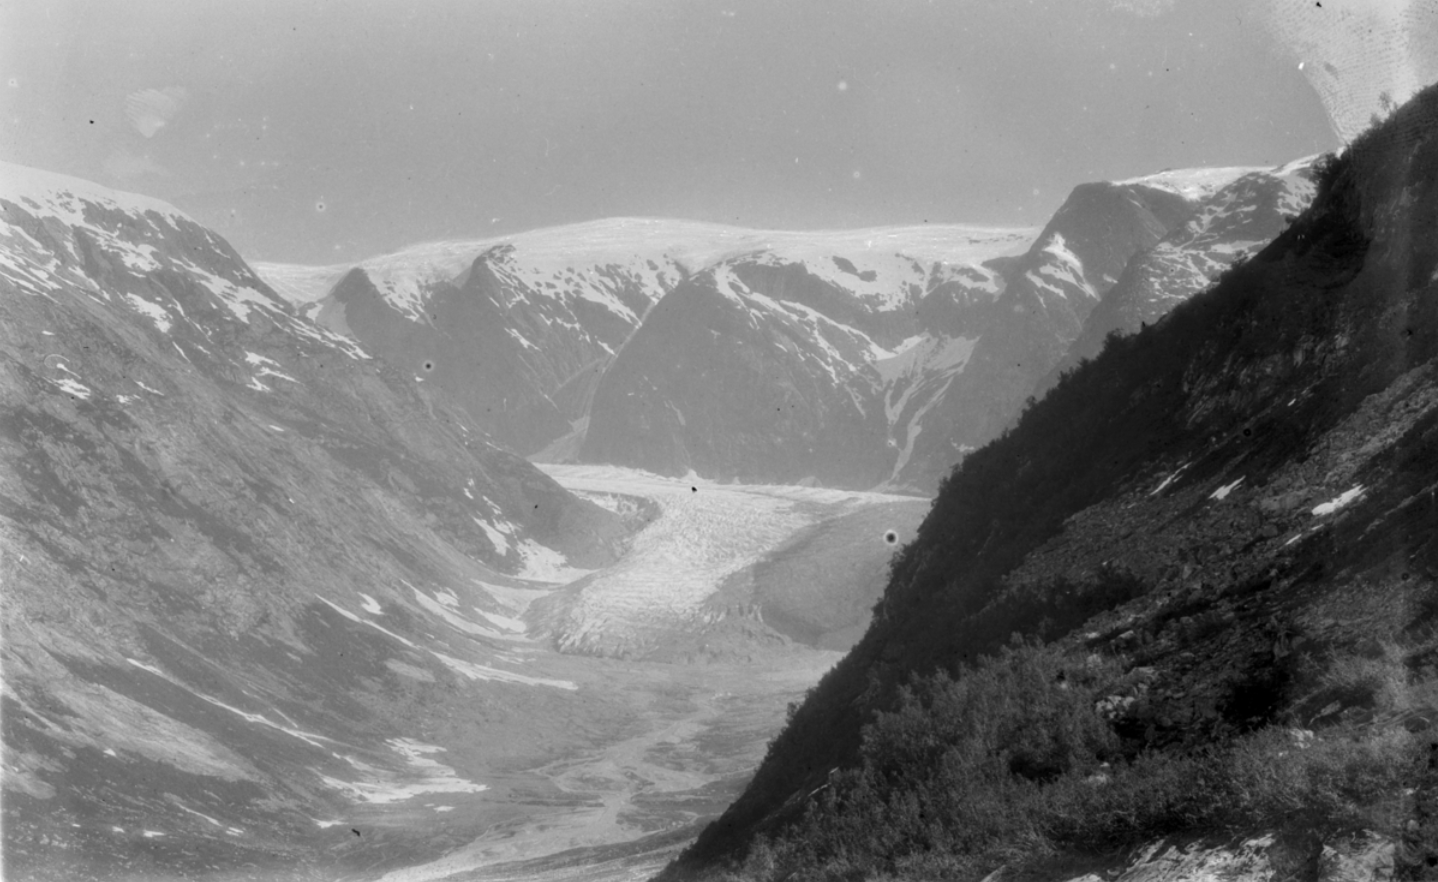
255, 580
864, 367
860, 359
1230, 225
798, 363
1189, 594
513, 332
520, 330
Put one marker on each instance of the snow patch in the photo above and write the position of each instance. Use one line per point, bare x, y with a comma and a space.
509, 624
1169, 480
496, 537
484, 672
74, 387
156, 313
354, 618
1222, 492
544, 564
1338, 501
455, 620
435, 777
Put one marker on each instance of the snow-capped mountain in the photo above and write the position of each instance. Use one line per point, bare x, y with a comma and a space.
859, 369
519, 330
781, 365
1046, 294
857, 359
237, 554
511, 331
1232, 222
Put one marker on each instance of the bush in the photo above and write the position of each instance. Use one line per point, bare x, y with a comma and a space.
1010, 761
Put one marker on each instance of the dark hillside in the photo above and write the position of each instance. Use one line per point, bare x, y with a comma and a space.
1235, 506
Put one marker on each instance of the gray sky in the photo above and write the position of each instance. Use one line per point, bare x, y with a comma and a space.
326, 131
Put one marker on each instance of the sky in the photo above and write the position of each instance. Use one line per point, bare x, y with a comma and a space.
323, 132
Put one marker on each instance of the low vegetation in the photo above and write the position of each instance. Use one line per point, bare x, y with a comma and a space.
1019, 758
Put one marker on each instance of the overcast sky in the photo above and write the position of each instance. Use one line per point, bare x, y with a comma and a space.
326, 131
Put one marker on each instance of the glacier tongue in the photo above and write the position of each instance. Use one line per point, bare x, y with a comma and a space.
705, 532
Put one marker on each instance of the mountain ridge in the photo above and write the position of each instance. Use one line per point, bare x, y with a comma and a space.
951, 327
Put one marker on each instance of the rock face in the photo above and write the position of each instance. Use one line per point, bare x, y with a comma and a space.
1229, 225
230, 536
1047, 293
732, 383
1226, 504
865, 367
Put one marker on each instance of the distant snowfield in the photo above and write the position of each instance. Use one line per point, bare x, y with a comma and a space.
1195, 183
691, 243
705, 532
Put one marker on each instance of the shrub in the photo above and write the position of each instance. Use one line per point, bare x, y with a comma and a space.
1009, 761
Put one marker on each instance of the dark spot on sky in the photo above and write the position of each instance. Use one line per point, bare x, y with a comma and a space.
429, 366
693, 489
891, 537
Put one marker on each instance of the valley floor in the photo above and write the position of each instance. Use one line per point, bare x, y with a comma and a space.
666, 745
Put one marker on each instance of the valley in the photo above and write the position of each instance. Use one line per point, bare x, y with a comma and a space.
515, 558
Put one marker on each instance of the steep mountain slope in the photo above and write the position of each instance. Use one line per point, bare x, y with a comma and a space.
1224, 525
243, 562
1230, 225
1047, 294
